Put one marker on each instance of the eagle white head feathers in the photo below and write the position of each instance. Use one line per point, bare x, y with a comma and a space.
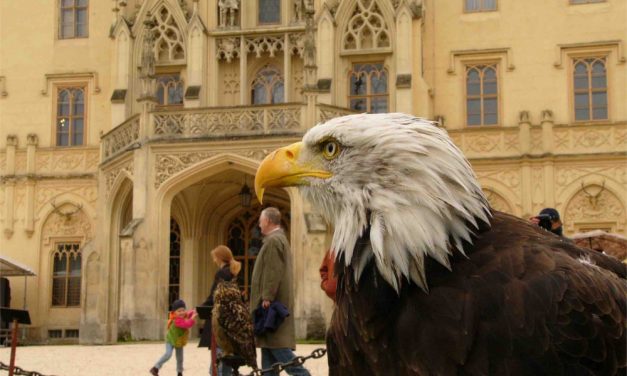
397, 176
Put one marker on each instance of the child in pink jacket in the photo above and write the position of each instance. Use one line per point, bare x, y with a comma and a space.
178, 332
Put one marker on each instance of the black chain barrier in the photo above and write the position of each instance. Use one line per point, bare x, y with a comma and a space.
280, 367
18, 371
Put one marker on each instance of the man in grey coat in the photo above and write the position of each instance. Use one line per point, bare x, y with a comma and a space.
272, 281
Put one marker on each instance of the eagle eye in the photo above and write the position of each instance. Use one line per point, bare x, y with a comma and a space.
330, 149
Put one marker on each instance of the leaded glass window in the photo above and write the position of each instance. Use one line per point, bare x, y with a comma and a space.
482, 95
269, 11
590, 89
244, 238
70, 118
479, 5
267, 87
73, 19
369, 88
66, 275
170, 89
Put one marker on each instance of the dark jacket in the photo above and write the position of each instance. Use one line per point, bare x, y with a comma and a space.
269, 320
224, 274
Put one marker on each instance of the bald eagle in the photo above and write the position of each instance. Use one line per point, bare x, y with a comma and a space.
432, 281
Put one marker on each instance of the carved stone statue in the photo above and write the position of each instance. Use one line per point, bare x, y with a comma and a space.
299, 10
147, 67
228, 9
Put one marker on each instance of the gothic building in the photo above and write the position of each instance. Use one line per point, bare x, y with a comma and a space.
131, 130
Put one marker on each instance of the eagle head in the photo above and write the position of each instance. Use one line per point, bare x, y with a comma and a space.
398, 177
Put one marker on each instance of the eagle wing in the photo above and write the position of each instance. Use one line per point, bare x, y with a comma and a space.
522, 303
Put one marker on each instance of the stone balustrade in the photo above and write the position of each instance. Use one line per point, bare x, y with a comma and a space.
228, 121
120, 138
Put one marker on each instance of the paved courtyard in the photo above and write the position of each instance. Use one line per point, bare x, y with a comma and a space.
126, 359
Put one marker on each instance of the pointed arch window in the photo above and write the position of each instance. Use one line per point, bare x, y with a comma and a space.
369, 88
590, 89
482, 95
66, 275
73, 19
267, 87
244, 238
170, 89
70, 117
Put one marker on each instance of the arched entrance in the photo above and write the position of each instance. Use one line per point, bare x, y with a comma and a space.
244, 238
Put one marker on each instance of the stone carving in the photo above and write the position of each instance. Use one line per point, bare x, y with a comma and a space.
228, 12
523, 117
231, 83
547, 115
121, 137
228, 48
497, 202
169, 164
299, 10
326, 113
46, 194
297, 44
366, 28
265, 44
607, 208
169, 45
592, 138
537, 189
111, 176
284, 118
482, 143
593, 199
57, 225
67, 161
511, 142
147, 68
20, 163
256, 154
511, 178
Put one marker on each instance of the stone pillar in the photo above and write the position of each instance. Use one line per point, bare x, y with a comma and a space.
243, 73
524, 132
287, 69
9, 191
31, 145
547, 132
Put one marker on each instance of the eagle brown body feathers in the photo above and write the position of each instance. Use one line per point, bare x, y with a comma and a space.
523, 302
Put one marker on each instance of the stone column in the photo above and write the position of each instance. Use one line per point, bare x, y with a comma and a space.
243, 73
287, 69
31, 145
9, 192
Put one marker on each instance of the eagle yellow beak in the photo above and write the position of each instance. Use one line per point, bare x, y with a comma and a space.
281, 168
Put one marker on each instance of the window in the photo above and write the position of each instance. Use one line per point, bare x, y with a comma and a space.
368, 88
269, 11
590, 89
479, 5
481, 95
267, 87
174, 279
170, 89
70, 124
586, 1
73, 19
66, 275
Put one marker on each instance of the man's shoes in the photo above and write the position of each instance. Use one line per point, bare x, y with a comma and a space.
154, 371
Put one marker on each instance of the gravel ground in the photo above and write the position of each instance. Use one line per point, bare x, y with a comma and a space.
126, 359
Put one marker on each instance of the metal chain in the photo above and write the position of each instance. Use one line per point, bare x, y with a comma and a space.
279, 367
18, 371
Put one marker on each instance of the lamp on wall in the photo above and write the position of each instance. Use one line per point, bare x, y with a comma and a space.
245, 195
